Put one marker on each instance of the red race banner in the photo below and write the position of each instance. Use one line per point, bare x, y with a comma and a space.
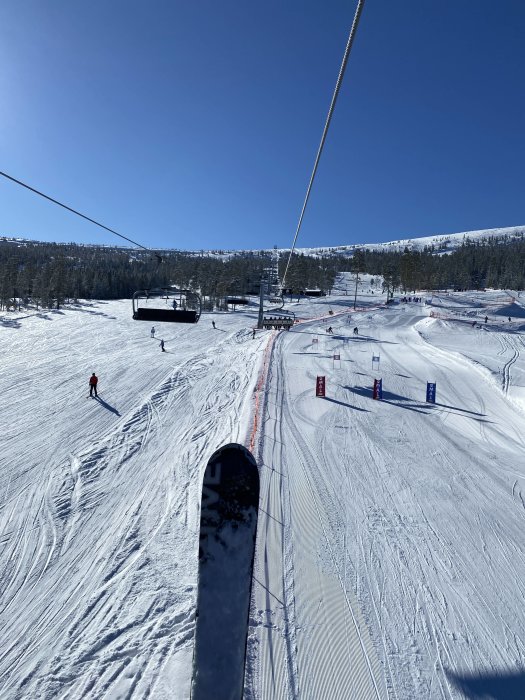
320, 386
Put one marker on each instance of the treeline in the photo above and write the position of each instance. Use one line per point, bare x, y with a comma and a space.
492, 262
51, 274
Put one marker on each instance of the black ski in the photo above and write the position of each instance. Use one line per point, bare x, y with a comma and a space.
230, 500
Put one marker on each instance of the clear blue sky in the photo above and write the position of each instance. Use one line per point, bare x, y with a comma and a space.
195, 124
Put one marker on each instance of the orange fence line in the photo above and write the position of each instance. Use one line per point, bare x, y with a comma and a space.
261, 381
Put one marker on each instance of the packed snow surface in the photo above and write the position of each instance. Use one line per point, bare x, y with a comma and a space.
390, 556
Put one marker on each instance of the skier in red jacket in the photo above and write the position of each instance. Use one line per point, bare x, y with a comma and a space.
93, 381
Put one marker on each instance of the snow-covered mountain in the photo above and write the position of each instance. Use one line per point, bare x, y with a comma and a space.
442, 243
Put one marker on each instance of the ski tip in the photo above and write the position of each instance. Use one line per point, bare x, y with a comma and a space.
234, 447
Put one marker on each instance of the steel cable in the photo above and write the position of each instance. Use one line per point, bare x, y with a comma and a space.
74, 211
350, 41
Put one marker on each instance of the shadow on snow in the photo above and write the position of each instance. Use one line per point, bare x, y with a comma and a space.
496, 686
106, 405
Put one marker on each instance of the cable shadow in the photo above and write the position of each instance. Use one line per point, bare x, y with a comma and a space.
96, 313
457, 408
272, 469
268, 591
389, 397
409, 407
348, 405
261, 510
370, 339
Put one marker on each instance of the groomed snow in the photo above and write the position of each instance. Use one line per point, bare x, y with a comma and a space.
390, 552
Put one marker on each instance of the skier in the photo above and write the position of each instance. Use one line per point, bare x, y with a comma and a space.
213, 323
153, 332
253, 336
329, 329
356, 332
486, 319
162, 345
510, 319
93, 381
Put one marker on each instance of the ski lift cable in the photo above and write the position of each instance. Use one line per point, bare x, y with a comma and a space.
141, 314
350, 41
74, 211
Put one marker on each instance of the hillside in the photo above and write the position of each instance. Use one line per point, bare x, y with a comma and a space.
441, 242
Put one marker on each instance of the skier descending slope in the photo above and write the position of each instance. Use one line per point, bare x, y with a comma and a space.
230, 500
93, 381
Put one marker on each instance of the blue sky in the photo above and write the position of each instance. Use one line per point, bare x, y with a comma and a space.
195, 125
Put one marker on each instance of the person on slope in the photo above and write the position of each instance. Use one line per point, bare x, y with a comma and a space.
153, 331
162, 345
93, 381
213, 323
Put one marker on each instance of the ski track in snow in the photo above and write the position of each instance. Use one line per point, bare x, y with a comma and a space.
111, 525
390, 557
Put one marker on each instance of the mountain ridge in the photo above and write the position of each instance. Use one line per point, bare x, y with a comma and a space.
445, 243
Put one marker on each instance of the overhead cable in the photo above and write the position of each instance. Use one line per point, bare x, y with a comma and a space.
74, 211
351, 36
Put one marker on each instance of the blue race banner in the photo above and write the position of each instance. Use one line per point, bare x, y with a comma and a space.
431, 392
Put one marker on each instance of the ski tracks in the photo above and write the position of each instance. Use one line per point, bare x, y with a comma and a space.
112, 528
306, 622
512, 346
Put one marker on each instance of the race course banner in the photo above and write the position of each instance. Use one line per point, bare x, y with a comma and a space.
320, 386
431, 392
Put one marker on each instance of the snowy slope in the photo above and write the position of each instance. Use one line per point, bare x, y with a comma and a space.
442, 243
390, 552
99, 502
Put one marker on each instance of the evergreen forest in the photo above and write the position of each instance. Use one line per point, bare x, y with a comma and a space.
48, 275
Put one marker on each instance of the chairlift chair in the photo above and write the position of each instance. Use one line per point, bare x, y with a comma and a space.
180, 305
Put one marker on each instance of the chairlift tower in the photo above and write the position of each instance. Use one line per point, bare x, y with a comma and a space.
275, 281
270, 286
